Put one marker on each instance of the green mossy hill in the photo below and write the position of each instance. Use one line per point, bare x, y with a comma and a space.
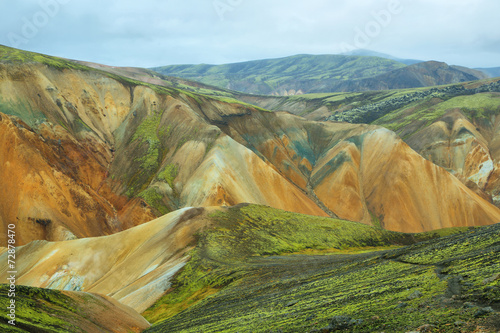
310, 73
393, 109
40, 310
450, 283
16, 56
392, 106
245, 234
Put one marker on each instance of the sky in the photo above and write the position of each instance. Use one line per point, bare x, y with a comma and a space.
150, 33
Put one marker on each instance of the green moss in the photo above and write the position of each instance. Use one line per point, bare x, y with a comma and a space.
154, 199
147, 132
41, 310
11, 55
261, 290
168, 174
30, 116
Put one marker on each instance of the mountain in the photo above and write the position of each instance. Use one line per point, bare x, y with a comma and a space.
440, 284
305, 74
91, 153
424, 74
453, 126
285, 76
369, 53
491, 72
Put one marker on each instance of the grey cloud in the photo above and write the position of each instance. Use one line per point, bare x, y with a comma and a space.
155, 32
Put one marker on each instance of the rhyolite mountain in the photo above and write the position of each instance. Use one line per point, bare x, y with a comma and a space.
454, 126
100, 172
302, 74
89, 153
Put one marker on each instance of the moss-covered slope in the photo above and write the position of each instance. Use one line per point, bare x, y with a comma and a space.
448, 284
50, 311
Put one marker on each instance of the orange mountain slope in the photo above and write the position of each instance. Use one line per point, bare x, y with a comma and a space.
92, 154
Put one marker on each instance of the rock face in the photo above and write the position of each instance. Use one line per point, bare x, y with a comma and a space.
58, 191
93, 153
459, 134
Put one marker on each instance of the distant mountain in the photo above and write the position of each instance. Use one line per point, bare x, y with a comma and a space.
286, 76
423, 74
491, 72
369, 53
303, 74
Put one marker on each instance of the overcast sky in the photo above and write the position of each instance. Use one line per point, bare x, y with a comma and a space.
149, 33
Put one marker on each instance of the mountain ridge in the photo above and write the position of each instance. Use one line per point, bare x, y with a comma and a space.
302, 74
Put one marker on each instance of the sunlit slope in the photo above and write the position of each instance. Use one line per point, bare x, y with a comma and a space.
133, 266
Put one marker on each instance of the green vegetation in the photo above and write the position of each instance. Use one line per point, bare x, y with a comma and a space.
23, 111
168, 174
238, 281
234, 270
15, 56
147, 132
40, 310
232, 100
311, 72
154, 199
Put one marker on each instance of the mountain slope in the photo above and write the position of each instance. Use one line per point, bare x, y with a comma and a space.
369, 53
136, 266
236, 256
449, 284
44, 310
492, 72
285, 76
453, 126
132, 151
424, 74
320, 74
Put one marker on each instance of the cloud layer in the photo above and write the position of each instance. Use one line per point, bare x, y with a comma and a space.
157, 32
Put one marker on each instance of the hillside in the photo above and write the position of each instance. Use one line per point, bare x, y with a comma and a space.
304, 74
454, 126
255, 268
369, 53
286, 76
45, 310
115, 152
423, 74
448, 284
144, 259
